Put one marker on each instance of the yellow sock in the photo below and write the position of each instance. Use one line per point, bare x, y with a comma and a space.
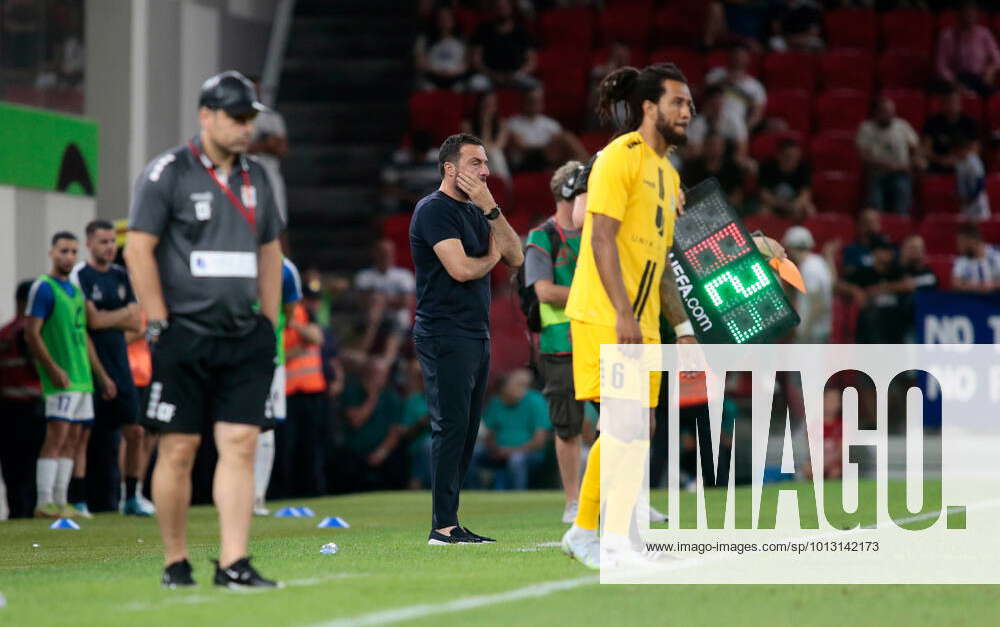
590, 490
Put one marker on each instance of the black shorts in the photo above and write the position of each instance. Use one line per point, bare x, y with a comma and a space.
565, 412
198, 380
122, 410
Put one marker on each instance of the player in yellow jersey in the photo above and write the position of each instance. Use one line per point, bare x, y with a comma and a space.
633, 198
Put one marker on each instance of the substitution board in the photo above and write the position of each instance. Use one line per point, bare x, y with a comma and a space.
731, 294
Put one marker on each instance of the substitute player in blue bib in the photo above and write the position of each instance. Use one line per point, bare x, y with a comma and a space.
291, 293
111, 311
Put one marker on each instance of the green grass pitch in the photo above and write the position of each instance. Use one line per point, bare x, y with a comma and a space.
108, 574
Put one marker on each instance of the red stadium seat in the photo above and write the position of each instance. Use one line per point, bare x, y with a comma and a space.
594, 140
896, 227
468, 19
947, 19
836, 191
830, 226
770, 225
972, 105
765, 145
841, 109
680, 24
438, 111
509, 101
990, 230
834, 150
565, 81
568, 27
690, 62
847, 68
629, 24
720, 58
500, 189
993, 112
396, 227
636, 58
904, 68
845, 320
939, 231
790, 70
851, 28
911, 105
792, 106
942, 266
910, 29
532, 195
993, 190
938, 194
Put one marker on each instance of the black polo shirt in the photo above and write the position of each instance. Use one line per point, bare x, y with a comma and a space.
446, 306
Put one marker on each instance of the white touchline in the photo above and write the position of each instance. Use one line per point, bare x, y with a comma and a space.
412, 612
545, 588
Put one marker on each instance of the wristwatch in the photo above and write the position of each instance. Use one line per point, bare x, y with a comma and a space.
154, 329
494, 214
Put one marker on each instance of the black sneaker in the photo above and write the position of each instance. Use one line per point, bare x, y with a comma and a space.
178, 575
458, 536
477, 537
240, 574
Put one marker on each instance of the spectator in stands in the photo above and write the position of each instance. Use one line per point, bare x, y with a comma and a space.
416, 424
833, 437
977, 268
858, 254
796, 24
537, 142
372, 459
876, 290
517, 428
485, 123
503, 52
411, 174
917, 277
710, 120
22, 422
970, 180
716, 161
388, 293
944, 130
440, 53
270, 146
967, 53
815, 307
786, 183
744, 97
890, 150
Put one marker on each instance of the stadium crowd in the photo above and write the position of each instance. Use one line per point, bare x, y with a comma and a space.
831, 126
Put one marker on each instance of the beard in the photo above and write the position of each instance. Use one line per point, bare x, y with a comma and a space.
671, 136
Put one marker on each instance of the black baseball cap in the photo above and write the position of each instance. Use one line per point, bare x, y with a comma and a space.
232, 92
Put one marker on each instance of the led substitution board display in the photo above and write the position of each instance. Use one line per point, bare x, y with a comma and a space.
731, 294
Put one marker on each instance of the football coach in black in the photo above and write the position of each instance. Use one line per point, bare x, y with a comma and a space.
457, 235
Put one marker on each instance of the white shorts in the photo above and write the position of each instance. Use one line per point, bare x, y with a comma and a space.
275, 405
70, 406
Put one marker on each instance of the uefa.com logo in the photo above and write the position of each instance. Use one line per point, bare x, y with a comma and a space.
791, 463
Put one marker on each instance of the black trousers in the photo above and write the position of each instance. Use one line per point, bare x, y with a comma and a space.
22, 430
301, 443
456, 371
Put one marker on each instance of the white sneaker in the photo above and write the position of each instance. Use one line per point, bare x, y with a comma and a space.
259, 509
617, 552
569, 514
656, 516
144, 503
582, 545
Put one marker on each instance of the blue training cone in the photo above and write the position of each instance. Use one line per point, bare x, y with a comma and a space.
305, 512
287, 512
64, 523
333, 521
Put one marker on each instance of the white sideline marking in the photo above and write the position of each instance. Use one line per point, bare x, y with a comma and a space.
459, 605
545, 588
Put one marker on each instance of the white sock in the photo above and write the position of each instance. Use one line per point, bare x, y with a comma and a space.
263, 462
138, 490
45, 479
64, 472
